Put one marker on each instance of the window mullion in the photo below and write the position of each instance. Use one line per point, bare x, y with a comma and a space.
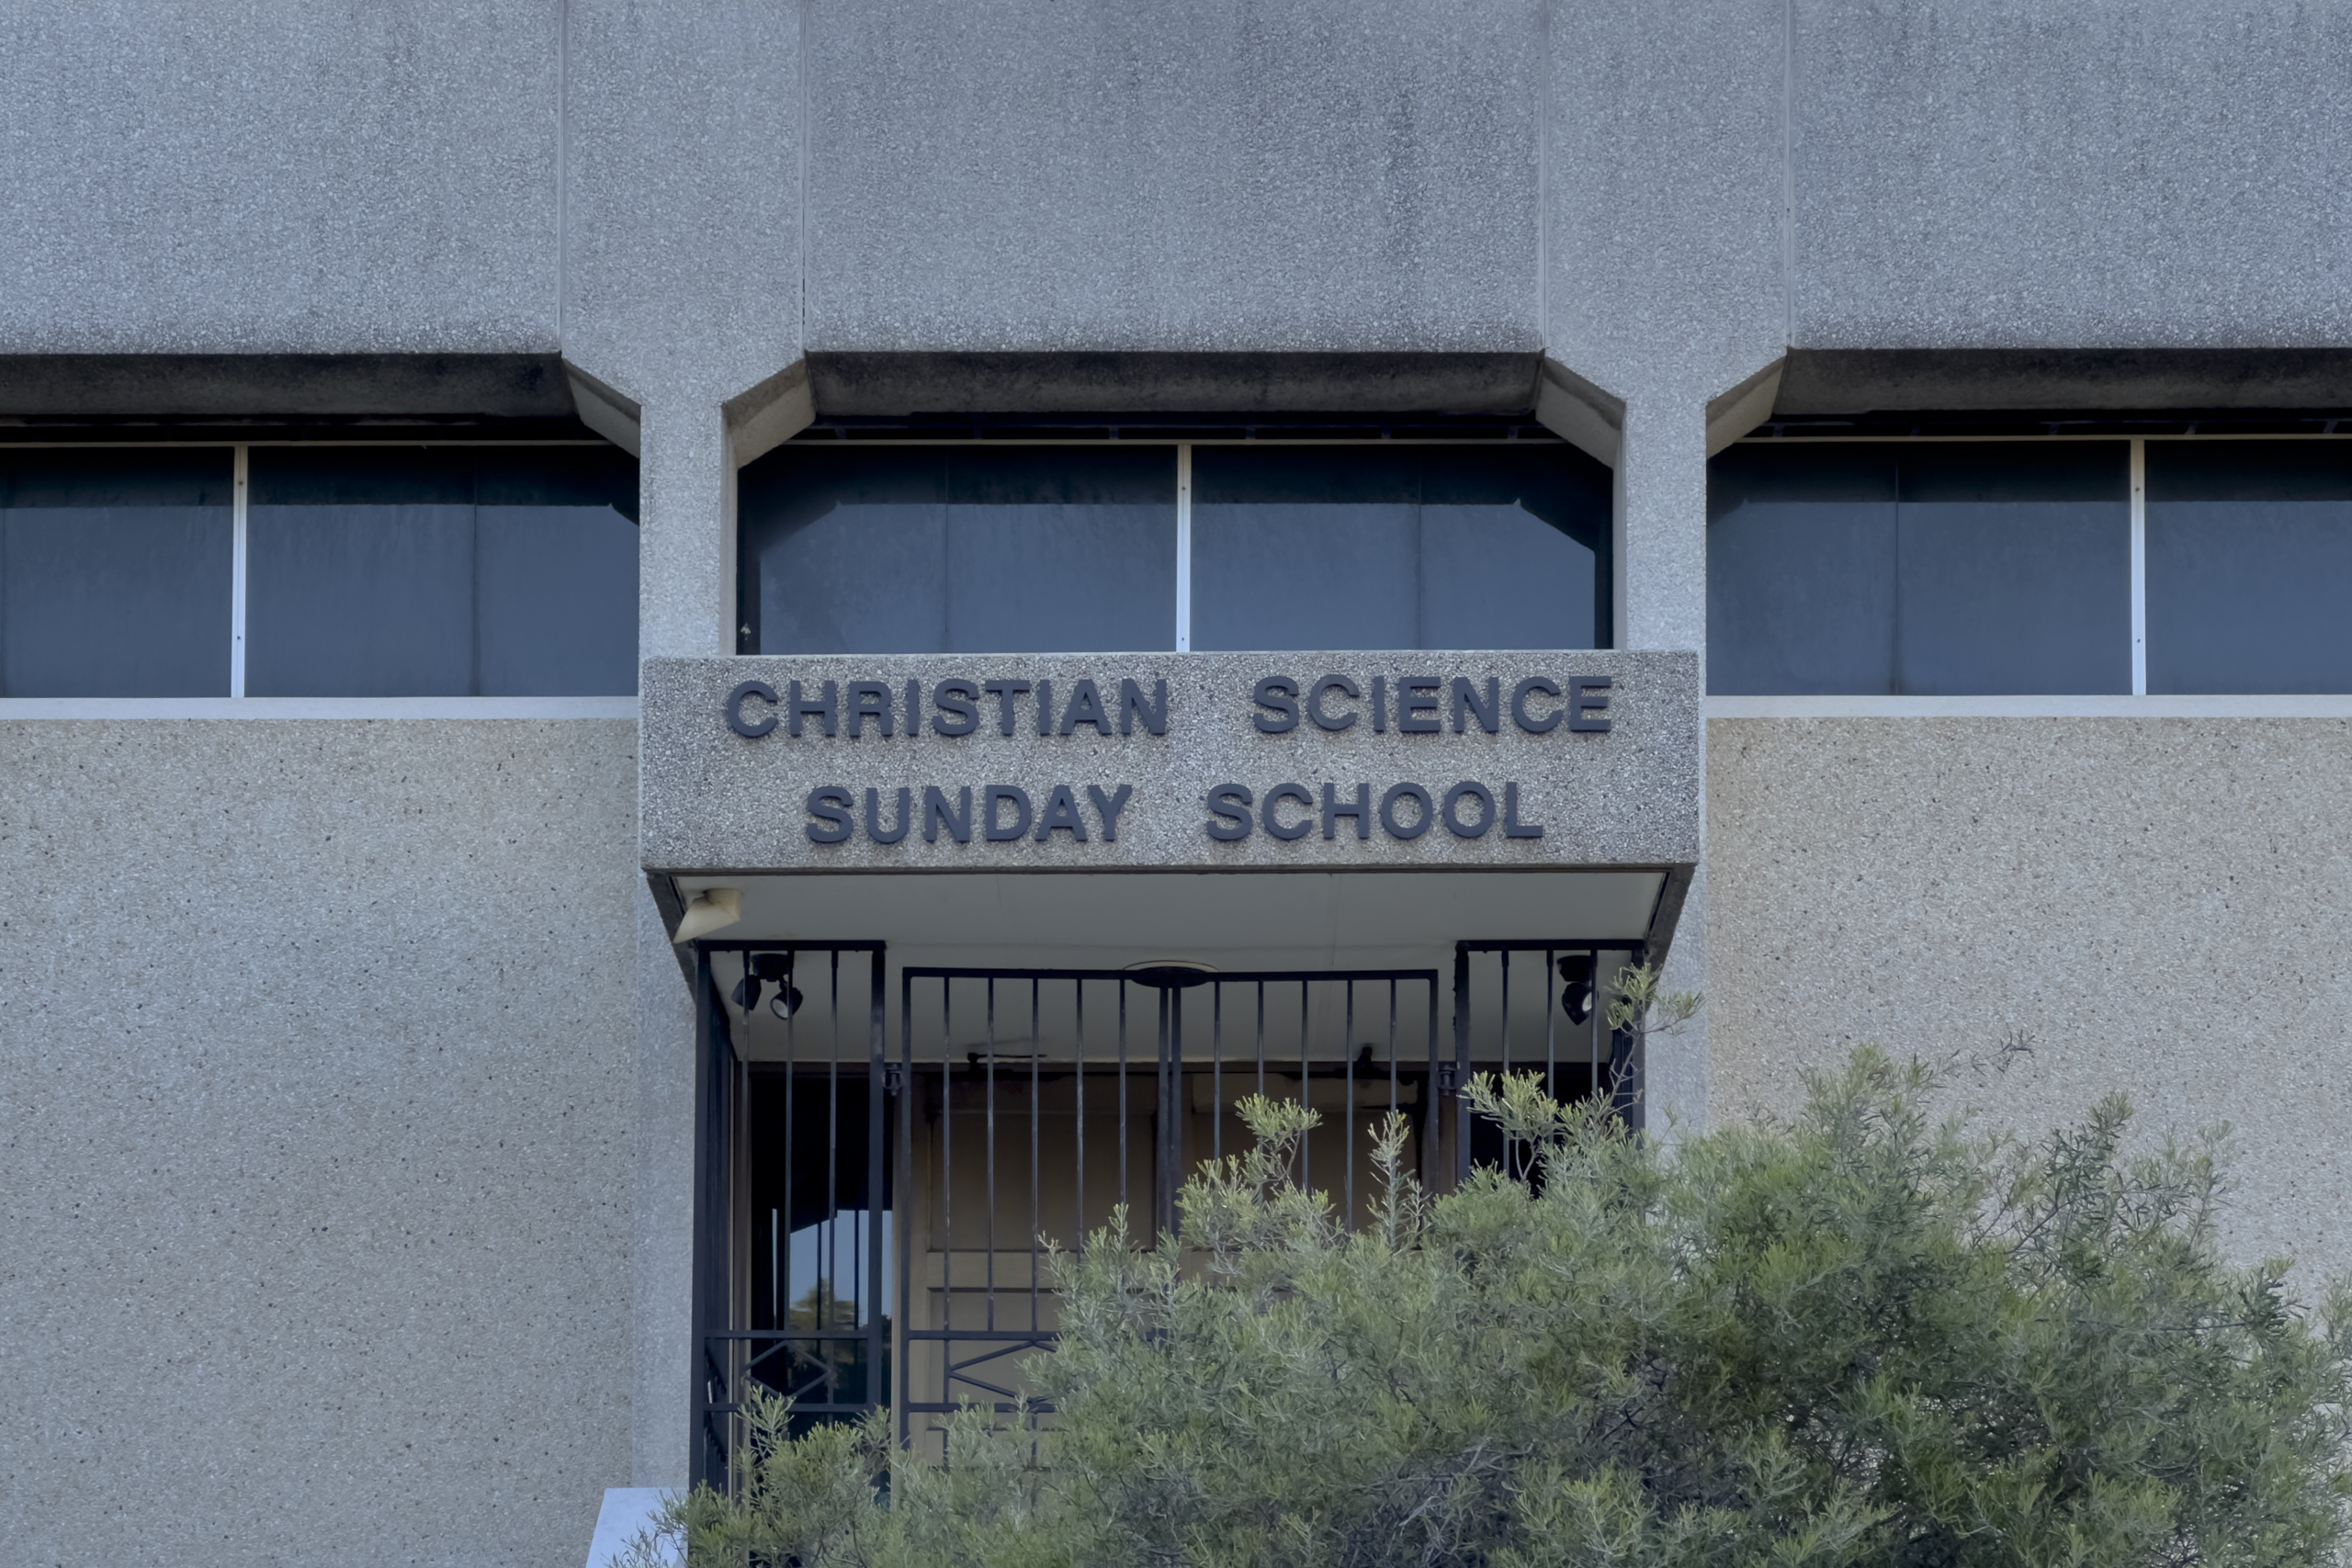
2139, 566
237, 576
1185, 546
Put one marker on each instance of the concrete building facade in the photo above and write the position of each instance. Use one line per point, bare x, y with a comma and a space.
357, 1105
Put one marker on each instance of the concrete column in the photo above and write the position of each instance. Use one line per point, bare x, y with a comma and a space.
1661, 566
686, 552
1661, 543
661, 1287
685, 607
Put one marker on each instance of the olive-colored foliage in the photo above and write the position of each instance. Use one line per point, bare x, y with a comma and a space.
1869, 1337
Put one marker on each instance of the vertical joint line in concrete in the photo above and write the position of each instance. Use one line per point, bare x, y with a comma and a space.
1543, 173
563, 159
1789, 172
801, 122
1183, 547
237, 572
2139, 566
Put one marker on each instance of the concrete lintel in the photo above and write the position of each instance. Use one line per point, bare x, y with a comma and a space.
100, 386
1745, 407
1579, 412
616, 417
1173, 383
1859, 380
768, 416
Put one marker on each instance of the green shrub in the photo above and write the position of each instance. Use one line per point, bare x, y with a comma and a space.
1869, 1337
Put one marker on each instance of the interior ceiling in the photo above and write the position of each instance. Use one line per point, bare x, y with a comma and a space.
1109, 920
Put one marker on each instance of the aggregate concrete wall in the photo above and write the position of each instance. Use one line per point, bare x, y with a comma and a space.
2162, 903
316, 1156
280, 175
660, 193
1317, 174
2000, 173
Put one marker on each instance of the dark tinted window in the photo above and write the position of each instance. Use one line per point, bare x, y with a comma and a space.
114, 573
441, 572
1919, 567
1398, 547
2249, 566
927, 549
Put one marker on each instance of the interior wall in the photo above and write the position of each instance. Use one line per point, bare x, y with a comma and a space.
315, 1165
2160, 903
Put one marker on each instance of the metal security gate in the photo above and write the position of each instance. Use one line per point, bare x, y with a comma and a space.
1041, 1104
874, 1197
1546, 1013
792, 1186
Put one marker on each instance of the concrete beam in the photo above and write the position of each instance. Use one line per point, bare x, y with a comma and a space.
1224, 383
1862, 380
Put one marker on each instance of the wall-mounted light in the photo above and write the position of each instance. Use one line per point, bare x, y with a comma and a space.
1576, 999
776, 966
707, 910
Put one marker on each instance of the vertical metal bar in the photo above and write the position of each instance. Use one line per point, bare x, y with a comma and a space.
1077, 1003
1160, 1128
1636, 1097
1593, 1033
1216, 1069
1261, 1038
946, 1175
791, 1172
991, 1153
1505, 972
735, 1180
2139, 566
829, 1283
1391, 1051
1306, 1091
877, 1135
901, 1387
1429, 1097
1461, 1064
1551, 1027
1179, 1107
1036, 1218
1122, 1092
700, 1459
1347, 1064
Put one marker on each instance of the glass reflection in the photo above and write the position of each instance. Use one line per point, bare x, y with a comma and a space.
114, 573
1358, 546
1919, 567
2249, 560
441, 572
928, 549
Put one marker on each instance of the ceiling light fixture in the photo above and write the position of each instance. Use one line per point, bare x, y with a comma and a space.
1172, 973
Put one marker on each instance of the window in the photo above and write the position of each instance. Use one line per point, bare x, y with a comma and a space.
1919, 567
441, 572
918, 549
2249, 566
1398, 547
930, 550
114, 573
380, 571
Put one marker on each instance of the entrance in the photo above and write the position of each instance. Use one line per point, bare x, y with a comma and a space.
885, 1169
